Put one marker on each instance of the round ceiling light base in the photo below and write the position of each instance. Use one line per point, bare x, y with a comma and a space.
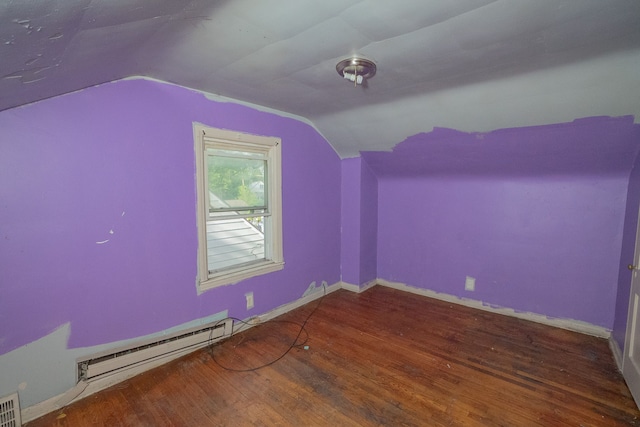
356, 66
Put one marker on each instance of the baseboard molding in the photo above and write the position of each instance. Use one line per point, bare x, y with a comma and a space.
40, 409
358, 288
350, 287
285, 308
369, 284
569, 324
84, 389
617, 352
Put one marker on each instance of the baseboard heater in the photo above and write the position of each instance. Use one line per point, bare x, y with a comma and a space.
137, 354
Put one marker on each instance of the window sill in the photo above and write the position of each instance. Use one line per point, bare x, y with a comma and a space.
235, 276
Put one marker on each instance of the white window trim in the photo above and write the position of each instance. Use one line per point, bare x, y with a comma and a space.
204, 136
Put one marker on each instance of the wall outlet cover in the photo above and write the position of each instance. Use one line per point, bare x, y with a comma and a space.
470, 283
249, 296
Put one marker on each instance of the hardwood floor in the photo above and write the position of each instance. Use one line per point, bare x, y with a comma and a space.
382, 357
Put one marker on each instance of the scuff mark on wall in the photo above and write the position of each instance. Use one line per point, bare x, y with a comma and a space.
33, 60
14, 75
31, 80
111, 232
26, 23
27, 76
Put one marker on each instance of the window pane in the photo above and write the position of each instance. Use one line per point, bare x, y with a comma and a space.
233, 212
254, 217
233, 153
235, 181
234, 241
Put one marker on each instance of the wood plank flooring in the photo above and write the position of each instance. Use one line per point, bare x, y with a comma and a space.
380, 358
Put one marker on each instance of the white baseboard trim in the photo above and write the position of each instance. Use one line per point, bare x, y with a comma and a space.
358, 288
43, 408
84, 389
369, 284
350, 287
617, 352
569, 324
285, 308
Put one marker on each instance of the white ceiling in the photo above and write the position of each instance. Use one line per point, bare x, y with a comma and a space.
472, 65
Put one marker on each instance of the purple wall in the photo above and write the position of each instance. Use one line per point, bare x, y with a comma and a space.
368, 224
534, 214
359, 222
351, 196
116, 162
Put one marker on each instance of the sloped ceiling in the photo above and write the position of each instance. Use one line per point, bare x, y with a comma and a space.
471, 65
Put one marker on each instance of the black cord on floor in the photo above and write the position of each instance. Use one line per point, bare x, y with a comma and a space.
293, 345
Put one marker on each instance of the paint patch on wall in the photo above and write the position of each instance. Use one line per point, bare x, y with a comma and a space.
313, 288
47, 367
595, 145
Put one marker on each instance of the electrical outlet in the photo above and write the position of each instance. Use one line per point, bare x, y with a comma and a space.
470, 284
249, 296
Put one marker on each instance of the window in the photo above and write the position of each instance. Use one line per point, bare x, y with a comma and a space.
239, 206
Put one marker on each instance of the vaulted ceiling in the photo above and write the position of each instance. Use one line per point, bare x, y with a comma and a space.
471, 65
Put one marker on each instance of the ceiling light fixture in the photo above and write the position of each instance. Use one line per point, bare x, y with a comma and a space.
356, 69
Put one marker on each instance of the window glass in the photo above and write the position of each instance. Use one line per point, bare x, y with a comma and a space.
236, 180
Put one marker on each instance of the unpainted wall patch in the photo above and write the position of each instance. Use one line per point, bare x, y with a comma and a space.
313, 288
310, 289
